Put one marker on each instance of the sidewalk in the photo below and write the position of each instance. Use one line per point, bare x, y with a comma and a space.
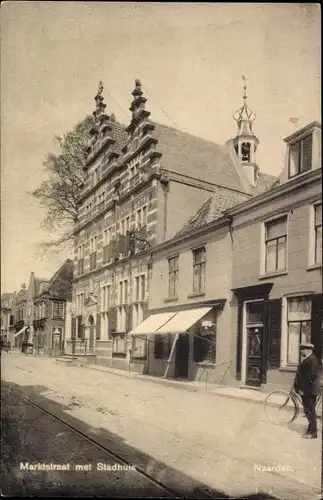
220, 390
223, 442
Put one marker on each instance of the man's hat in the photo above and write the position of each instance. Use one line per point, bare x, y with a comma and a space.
307, 345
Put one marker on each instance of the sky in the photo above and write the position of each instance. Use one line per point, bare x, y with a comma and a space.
190, 58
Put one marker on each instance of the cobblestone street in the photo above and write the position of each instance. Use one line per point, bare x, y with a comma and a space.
225, 443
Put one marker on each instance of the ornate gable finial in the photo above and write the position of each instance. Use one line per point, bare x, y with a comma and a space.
100, 106
138, 103
244, 113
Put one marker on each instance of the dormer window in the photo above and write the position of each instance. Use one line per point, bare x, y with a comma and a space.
300, 156
245, 151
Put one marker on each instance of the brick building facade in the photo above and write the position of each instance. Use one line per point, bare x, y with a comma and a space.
142, 183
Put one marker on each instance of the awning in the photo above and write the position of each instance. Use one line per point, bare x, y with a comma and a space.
152, 323
21, 331
183, 320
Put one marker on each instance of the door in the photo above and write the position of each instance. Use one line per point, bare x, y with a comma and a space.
254, 353
254, 335
181, 356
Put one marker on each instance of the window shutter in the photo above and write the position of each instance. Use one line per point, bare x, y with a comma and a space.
145, 311
112, 320
317, 325
274, 333
73, 328
98, 326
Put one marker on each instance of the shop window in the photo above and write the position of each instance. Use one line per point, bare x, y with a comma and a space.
204, 348
139, 347
163, 346
119, 346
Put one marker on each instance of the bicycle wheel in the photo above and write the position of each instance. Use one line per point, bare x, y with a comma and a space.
280, 407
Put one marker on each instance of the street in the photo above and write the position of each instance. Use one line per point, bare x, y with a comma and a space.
86, 471
225, 444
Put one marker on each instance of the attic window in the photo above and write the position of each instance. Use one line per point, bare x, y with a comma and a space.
300, 156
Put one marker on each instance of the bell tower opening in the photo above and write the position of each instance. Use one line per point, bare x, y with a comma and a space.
246, 143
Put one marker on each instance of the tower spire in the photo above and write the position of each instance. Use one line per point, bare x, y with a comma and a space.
245, 142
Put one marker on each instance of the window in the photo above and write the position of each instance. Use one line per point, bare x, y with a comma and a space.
58, 310
163, 346
139, 347
80, 264
140, 288
122, 305
172, 276
276, 242
204, 348
141, 217
105, 304
119, 346
199, 262
107, 238
79, 304
298, 327
318, 232
300, 156
93, 249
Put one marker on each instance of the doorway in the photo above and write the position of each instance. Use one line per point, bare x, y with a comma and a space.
254, 339
181, 356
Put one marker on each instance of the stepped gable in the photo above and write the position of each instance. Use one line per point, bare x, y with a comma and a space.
213, 208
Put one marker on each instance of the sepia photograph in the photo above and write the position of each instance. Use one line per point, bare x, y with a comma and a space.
161, 250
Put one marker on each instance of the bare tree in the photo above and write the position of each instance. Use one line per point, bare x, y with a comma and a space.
59, 194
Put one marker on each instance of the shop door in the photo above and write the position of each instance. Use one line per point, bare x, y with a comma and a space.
181, 356
254, 334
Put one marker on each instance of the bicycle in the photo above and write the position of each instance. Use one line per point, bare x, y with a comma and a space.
282, 407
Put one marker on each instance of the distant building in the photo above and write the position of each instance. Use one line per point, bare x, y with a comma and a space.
7, 320
143, 183
51, 310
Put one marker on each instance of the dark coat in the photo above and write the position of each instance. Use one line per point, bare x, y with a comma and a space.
308, 376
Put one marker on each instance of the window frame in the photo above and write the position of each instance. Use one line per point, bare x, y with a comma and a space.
202, 266
287, 322
264, 241
173, 273
300, 169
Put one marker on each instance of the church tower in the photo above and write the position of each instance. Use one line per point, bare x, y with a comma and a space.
246, 143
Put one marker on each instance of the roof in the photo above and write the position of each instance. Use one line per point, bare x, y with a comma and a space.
264, 183
190, 155
119, 134
40, 284
213, 208
60, 284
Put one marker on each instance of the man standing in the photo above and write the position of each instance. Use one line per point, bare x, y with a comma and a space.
308, 386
